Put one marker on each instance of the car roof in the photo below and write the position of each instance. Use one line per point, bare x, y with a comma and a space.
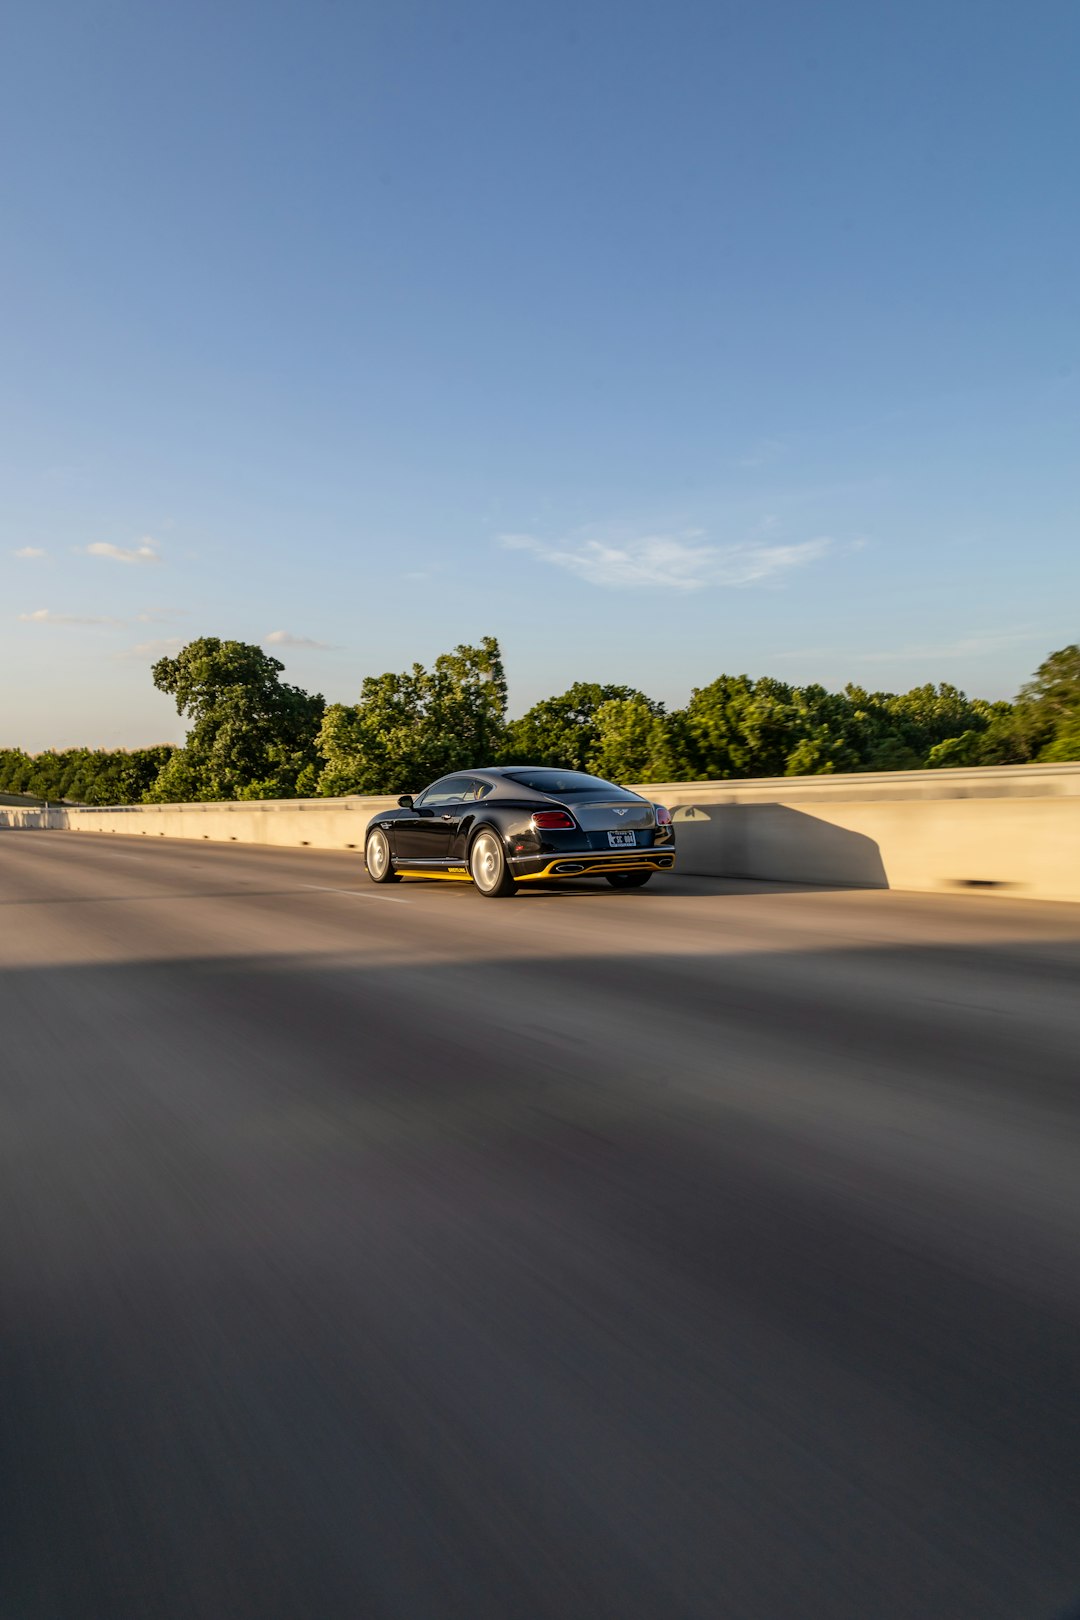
497, 773
502, 773
506, 775
506, 770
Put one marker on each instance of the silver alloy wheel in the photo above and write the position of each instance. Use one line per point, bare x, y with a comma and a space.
377, 855
486, 863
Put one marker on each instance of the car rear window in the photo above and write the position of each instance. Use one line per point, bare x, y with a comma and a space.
565, 784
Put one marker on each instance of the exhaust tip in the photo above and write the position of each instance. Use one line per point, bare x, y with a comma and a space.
569, 866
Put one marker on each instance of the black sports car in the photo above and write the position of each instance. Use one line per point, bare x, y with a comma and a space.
521, 824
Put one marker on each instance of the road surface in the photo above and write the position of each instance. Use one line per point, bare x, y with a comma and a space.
706, 1253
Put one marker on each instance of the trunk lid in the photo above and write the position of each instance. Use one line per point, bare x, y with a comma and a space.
612, 815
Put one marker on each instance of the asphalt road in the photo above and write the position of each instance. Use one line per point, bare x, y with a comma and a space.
711, 1251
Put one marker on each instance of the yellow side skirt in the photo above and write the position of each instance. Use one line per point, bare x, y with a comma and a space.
594, 868
452, 877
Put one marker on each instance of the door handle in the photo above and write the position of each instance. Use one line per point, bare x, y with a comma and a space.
447, 816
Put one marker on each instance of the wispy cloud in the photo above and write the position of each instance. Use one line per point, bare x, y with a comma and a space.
680, 562
285, 638
145, 552
972, 646
153, 649
47, 616
29, 551
961, 647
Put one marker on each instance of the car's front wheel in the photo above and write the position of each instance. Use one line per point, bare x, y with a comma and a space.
628, 880
380, 868
489, 867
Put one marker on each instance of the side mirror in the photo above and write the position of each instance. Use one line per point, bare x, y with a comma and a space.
406, 801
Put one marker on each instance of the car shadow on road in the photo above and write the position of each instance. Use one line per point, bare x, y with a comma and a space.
664, 886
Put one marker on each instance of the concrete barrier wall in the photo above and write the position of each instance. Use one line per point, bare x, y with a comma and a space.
1013, 829
318, 823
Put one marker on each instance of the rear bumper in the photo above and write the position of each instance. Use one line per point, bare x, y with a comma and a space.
591, 863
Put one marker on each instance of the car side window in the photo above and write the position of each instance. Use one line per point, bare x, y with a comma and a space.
476, 790
451, 790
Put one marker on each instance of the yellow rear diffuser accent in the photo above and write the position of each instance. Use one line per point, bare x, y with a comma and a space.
591, 866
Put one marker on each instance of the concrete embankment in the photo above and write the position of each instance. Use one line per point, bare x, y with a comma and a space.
1014, 829
318, 823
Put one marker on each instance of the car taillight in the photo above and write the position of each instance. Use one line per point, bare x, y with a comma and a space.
663, 815
553, 820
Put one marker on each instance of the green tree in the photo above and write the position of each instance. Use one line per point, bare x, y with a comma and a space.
739, 727
1048, 707
1065, 746
251, 735
95, 776
408, 728
1043, 723
15, 770
140, 769
564, 730
899, 731
732, 730
1054, 690
631, 741
999, 742
468, 703
380, 742
254, 737
929, 715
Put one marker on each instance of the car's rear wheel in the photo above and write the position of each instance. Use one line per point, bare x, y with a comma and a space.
489, 867
380, 868
628, 880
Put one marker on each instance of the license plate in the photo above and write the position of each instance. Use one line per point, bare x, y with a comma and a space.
622, 840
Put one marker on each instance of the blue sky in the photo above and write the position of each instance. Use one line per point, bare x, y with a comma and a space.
657, 340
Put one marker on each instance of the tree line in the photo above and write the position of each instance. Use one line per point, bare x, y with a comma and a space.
253, 736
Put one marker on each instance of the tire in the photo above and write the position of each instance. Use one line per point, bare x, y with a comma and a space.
380, 868
628, 880
489, 867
